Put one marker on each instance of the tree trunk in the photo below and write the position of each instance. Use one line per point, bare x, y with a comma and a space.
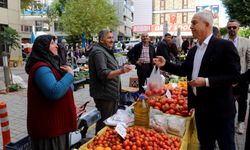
6, 68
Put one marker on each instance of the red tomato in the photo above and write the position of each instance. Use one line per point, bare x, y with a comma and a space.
171, 111
148, 93
158, 104
151, 102
181, 102
133, 147
165, 107
157, 91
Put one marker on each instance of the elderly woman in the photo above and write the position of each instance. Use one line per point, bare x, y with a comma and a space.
51, 108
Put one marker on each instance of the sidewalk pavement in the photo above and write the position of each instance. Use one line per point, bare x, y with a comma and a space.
17, 106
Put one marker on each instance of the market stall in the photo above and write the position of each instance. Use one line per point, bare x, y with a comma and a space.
171, 126
81, 76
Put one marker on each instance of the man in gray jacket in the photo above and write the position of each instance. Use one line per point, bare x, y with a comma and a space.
104, 77
241, 92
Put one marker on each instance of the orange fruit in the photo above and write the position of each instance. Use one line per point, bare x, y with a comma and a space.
99, 148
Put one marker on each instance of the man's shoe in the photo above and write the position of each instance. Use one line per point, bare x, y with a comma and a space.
240, 128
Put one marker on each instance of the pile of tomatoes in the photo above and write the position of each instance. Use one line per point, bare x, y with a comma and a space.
176, 105
137, 138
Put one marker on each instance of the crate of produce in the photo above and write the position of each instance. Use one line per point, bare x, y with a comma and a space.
23, 144
137, 137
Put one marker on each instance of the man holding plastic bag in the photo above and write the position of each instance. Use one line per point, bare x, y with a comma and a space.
212, 67
142, 55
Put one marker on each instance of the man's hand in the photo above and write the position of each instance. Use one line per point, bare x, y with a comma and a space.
198, 82
159, 61
127, 68
138, 62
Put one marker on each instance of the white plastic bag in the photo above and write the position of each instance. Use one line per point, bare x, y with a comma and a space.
176, 125
18, 80
167, 123
154, 82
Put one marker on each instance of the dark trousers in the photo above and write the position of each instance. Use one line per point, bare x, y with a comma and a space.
241, 94
55, 143
211, 129
247, 142
107, 108
143, 72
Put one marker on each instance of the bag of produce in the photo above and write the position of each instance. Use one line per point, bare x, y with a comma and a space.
155, 81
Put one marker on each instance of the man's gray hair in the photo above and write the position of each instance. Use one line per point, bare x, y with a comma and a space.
234, 20
206, 16
103, 33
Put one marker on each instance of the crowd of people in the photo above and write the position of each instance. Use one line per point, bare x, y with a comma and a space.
217, 70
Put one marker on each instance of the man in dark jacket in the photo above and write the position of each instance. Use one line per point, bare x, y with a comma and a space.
211, 67
142, 55
167, 48
104, 77
62, 51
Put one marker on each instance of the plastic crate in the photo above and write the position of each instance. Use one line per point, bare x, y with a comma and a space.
23, 144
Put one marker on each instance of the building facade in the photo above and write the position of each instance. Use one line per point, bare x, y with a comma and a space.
124, 13
10, 16
167, 16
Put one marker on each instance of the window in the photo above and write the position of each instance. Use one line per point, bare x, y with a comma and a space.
162, 18
42, 25
184, 17
162, 5
184, 4
4, 3
25, 28
1, 30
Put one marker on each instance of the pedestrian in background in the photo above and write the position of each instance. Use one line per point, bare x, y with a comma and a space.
142, 55
123, 46
104, 72
185, 46
216, 32
51, 111
167, 48
62, 51
245, 79
241, 93
211, 67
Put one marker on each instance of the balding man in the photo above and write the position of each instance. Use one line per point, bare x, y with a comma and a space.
211, 68
142, 55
